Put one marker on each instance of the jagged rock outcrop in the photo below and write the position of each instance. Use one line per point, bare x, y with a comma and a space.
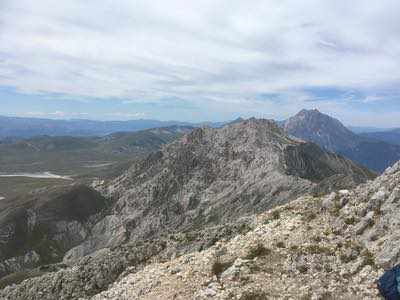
213, 176
332, 135
373, 210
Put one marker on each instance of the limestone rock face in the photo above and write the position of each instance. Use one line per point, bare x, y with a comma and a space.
377, 208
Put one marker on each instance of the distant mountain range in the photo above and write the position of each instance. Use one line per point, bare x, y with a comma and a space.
390, 136
366, 129
374, 148
30, 127
332, 135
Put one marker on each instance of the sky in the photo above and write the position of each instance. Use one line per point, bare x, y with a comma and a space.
201, 60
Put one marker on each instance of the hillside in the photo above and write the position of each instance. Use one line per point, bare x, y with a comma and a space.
330, 134
39, 227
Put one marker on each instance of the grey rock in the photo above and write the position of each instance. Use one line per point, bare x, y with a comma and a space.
328, 201
364, 223
390, 253
212, 176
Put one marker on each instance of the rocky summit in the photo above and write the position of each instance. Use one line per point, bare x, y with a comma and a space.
195, 196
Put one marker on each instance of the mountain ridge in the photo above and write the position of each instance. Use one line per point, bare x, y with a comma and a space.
216, 175
20, 127
389, 136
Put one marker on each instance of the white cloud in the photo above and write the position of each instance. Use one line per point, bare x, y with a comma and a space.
53, 114
45, 114
123, 115
206, 51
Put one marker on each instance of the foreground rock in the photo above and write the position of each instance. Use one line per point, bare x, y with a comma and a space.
292, 253
332, 247
93, 274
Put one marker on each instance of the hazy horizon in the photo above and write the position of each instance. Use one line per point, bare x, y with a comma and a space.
55, 118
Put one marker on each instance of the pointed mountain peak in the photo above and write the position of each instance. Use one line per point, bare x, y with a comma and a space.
245, 133
322, 129
315, 119
313, 114
237, 120
309, 112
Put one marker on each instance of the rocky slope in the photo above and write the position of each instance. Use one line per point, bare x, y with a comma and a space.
213, 176
330, 247
330, 134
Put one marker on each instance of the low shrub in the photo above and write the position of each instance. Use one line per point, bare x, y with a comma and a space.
257, 251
